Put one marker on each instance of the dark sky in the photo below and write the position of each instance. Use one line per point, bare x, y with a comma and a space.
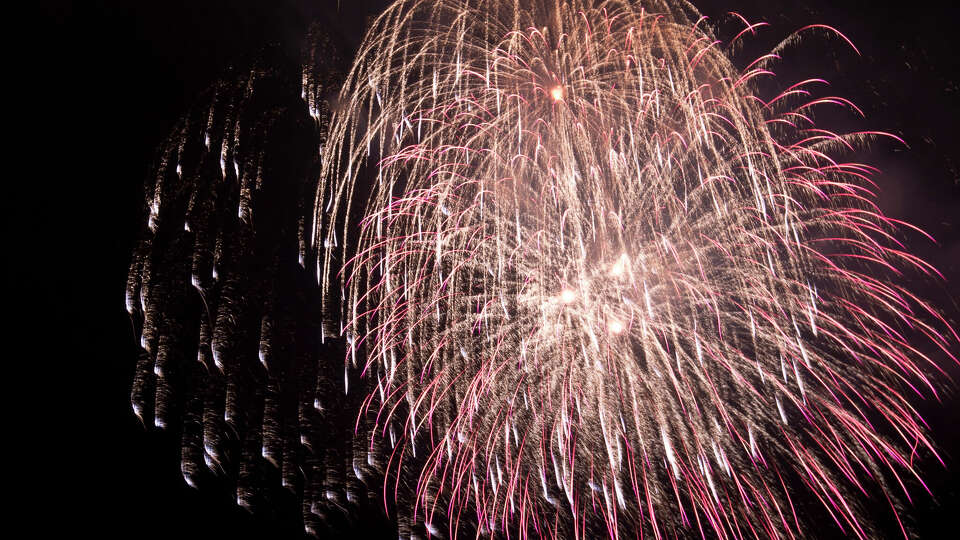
114, 76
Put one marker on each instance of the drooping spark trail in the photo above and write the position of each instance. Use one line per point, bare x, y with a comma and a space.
598, 285
217, 290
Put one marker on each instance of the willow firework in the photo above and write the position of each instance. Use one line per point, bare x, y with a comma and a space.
598, 285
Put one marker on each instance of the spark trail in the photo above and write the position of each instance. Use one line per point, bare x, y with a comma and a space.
598, 286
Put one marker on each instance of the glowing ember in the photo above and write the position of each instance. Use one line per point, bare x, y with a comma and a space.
556, 93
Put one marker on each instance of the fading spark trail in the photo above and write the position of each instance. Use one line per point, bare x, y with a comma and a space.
599, 286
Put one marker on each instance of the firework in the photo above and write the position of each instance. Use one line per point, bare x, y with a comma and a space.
597, 285
231, 360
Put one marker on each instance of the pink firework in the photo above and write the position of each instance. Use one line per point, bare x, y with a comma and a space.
602, 287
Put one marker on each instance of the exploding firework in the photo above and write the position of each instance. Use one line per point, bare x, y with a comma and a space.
597, 285
231, 359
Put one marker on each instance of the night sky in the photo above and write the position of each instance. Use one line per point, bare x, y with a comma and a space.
114, 76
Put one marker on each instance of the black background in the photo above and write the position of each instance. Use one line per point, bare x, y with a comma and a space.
109, 80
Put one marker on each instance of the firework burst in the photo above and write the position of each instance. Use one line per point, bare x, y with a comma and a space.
600, 286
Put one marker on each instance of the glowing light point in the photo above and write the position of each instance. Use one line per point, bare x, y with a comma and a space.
567, 296
620, 266
556, 93
616, 327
